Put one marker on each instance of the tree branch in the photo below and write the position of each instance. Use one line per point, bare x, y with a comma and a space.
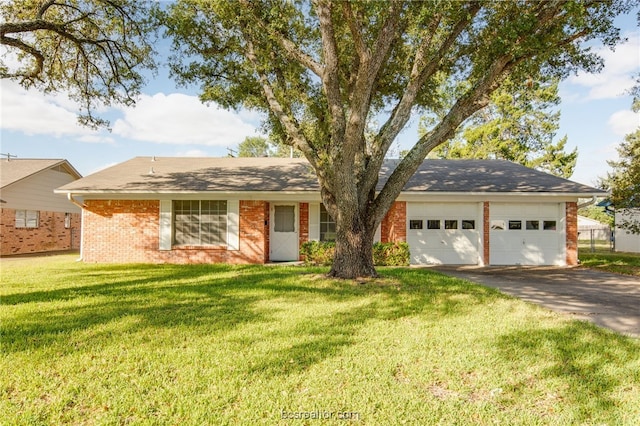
370, 66
287, 121
37, 55
356, 31
290, 48
421, 71
330, 75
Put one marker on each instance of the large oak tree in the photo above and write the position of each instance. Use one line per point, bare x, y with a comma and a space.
92, 50
323, 70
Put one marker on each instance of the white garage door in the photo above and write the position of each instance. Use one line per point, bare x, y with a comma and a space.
444, 233
527, 234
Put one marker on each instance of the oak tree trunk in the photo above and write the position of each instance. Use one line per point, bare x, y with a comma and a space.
354, 249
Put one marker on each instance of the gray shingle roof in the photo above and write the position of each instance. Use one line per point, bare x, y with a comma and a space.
16, 169
183, 174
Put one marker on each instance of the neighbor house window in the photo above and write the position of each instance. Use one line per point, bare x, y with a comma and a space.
27, 218
199, 222
327, 225
67, 220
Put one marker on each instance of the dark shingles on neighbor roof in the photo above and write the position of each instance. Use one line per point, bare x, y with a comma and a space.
182, 174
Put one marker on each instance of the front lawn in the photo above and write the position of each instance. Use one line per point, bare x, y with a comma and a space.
216, 344
606, 260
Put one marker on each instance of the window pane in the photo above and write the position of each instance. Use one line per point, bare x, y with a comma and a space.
515, 225
21, 218
415, 224
450, 224
433, 224
533, 225
327, 225
284, 217
200, 222
468, 224
497, 225
549, 225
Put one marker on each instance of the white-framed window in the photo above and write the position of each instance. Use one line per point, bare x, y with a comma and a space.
27, 218
327, 225
199, 222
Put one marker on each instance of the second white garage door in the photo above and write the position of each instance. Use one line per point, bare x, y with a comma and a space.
527, 234
444, 233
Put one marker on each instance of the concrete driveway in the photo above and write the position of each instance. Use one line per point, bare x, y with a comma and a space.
608, 300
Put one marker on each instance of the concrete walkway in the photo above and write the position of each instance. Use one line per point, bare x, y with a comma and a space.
608, 300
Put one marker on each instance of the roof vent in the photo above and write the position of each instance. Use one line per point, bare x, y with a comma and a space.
153, 158
151, 171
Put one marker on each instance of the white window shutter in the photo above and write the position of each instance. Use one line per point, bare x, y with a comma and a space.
314, 221
165, 224
233, 225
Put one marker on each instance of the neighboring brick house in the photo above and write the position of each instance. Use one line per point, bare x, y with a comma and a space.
33, 219
258, 210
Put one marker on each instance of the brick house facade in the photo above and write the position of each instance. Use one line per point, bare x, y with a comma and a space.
32, 218
126, 231
221, 210
56, 231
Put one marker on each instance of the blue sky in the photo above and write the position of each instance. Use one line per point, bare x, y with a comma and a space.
171, 121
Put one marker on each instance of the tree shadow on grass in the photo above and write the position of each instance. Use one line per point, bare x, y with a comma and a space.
590, 363
220, 298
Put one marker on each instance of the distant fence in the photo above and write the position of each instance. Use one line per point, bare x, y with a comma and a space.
596, 237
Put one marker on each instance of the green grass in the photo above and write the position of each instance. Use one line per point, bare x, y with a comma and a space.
606, 260
216, 344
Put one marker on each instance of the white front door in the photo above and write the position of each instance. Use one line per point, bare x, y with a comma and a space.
283, 241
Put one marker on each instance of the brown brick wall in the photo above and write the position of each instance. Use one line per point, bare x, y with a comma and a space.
572, 233
303, 235
254, 233
50, 235
394, 224
486, 232
124, 231
117, 231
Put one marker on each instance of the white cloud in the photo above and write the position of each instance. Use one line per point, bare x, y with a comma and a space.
181, 119
617, 76
624, 122
34, 113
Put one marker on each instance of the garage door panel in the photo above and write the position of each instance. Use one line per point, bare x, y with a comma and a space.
455, 248
444, 246
539, 239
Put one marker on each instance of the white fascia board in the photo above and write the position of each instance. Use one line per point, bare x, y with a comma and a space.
312, 196
199, 195
521, 197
